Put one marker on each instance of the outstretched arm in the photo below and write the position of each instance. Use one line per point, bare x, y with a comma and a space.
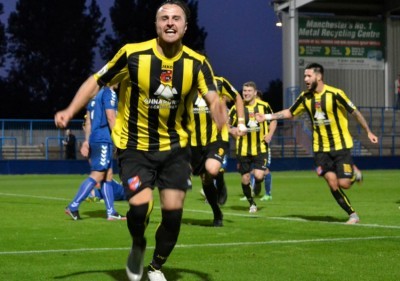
361, 120
283, 114
87, 90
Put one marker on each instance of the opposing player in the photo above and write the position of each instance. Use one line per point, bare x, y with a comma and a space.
98, 147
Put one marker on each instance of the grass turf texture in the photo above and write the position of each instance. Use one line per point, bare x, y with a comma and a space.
299, 235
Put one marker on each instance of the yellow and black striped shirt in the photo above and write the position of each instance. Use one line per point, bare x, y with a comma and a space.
253, 142
328, 114
156, 95
204, 130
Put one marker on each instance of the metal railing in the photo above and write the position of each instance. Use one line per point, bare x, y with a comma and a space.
382, 120
283, 143
33, 132
58, 149
393, 146
385, 122
2, 140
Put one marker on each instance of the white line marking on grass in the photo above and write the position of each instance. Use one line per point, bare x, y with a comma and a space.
322, 240
33, 196
64, 251
273, 242
340, 223
225, 213
295, 219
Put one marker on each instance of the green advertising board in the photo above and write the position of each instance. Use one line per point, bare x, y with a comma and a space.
342, 43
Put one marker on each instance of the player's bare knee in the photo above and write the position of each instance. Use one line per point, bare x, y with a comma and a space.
345, 183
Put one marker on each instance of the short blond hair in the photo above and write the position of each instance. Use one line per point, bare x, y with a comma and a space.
250, 84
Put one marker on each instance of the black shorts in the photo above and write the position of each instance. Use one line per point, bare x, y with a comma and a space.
248, 163
340, 162
215, 150
164, 169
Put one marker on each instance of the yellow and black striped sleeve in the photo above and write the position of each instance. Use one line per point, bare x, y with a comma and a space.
342, 98
233, 116
226, 89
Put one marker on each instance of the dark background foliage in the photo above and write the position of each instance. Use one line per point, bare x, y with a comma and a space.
48, 48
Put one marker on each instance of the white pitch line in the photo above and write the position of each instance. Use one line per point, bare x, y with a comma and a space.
321, 240
225, 213
34, 196
295, 219
236, 244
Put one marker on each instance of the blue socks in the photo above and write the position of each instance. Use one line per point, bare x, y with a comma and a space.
268, 184
83, 192
108, 196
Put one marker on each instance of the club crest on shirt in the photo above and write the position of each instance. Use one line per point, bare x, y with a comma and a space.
166, 77
252, 124
166, 96
166, 90
320, 116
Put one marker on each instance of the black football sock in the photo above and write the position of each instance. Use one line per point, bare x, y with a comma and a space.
137, 219
247, 192
257, 187
220, 182
166, 236
212, 198
343, 201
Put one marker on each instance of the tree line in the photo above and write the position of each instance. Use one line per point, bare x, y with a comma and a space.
47, 48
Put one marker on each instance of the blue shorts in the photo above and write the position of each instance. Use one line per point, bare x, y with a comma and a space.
101, 156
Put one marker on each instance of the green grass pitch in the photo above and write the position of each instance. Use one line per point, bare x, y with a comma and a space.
300, 235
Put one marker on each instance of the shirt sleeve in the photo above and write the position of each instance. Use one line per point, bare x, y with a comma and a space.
115, 70
228, 90
109, 99
298, 106
342, 98
205, 79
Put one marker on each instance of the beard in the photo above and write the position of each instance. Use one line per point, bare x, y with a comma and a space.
313, 86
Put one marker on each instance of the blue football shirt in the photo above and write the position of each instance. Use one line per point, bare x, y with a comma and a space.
105, 99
